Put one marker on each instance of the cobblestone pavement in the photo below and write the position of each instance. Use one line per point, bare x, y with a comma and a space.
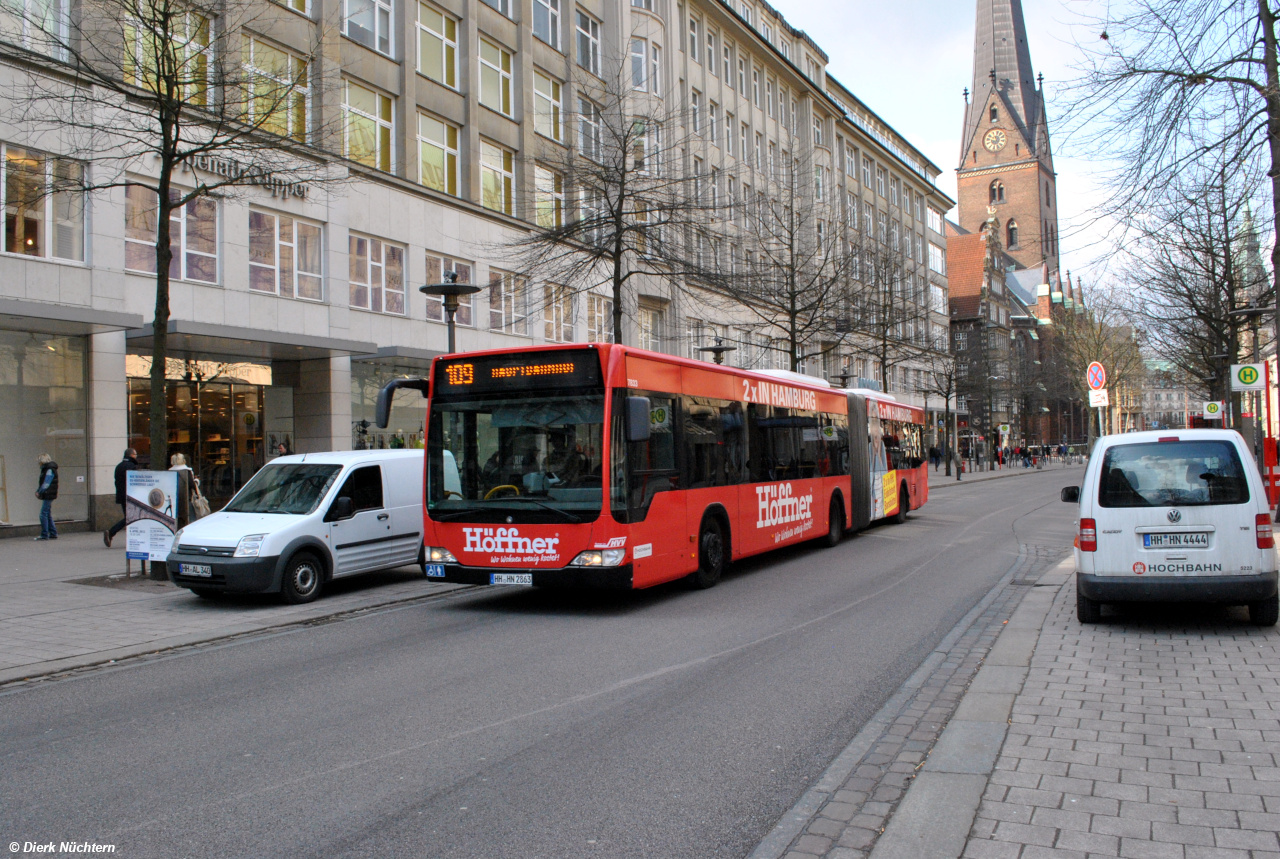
844, 814
1152, 734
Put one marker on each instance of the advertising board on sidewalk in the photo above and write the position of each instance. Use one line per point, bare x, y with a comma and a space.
151, 514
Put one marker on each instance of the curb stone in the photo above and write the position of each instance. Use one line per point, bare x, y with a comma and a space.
934, 818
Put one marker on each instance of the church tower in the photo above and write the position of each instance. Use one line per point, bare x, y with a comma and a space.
1005, 159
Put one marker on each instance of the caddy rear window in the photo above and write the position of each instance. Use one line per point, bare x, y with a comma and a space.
1172, 473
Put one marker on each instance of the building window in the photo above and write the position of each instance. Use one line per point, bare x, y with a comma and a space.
369, 23
589, 43
650, 321
755, 87
850, 161
996, 192
285, 256
557, 314
279, 91
599, 318
711, 52
817, 131
866, 172
937, 259
546, 21
497, 178
743, 151
727, 52
508, 303
437, 267
44, 205
639, 64
437, 46
548, 199
503, 6
190, 33
368, 127
919, 206
880, 181
647, 5
193, 235
742, 77
935, 220
546, 107
646, 144
655, 70
994, 114
820, 183
895, 188
713, 123
693, 40
589, 122
41, 25
1012, 234
695, 111
729, 126
495, 77
377, 275
437, 154
769, 88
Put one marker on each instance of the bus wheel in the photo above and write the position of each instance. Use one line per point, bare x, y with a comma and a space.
710, 556
904, 505
835, 524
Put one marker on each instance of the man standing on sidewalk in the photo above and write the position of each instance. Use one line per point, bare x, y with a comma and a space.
129, 463
47, 491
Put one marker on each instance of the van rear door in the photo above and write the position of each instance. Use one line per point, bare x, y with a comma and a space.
1175, 507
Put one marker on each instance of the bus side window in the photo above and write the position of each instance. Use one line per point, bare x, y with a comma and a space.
733, 430
703, 443
809, 447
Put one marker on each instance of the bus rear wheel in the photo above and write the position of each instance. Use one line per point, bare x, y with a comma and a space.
711, 556
904, 505
835, 524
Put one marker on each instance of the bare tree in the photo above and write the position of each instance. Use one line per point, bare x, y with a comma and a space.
177, 100
1170, 85
889, 301
1104, 333
634, 198
940, 378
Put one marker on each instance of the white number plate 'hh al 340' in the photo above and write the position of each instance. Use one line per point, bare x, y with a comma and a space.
511, 578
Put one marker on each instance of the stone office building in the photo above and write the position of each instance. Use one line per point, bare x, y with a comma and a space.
291, 306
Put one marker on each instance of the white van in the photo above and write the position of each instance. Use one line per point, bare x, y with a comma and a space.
1174, 515
305, 519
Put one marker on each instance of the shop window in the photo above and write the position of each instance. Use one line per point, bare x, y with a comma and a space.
437, 266
43, 205
508, 303
377, 275
285, 256
193, 235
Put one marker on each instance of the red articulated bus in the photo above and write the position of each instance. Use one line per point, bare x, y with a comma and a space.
609, 466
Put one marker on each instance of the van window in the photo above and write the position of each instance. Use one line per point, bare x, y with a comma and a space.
1172, 473
364, 488
294, 488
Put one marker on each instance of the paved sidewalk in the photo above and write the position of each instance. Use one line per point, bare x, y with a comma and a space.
51, 620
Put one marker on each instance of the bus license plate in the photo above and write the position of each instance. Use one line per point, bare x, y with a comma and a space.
435, 571
511, 578
1175, 541
204, 571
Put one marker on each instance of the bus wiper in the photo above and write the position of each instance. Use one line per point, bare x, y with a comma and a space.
450, 515
569, 517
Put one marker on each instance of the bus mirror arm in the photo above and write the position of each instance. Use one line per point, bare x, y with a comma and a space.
638, 409
382, 416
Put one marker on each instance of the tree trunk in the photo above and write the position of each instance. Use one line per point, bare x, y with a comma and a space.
160, 328
1268, 20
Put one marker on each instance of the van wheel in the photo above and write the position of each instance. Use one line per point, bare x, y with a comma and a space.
1087, 610
302, 579
710, 556
904, 505
1266, 612
835, 524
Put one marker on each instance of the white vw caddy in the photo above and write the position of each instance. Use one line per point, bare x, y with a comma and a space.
1174, 515
305, 519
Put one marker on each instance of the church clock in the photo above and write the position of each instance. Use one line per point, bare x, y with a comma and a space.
995, 139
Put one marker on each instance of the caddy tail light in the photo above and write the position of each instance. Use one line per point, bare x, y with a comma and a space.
1088, 536
1263, 529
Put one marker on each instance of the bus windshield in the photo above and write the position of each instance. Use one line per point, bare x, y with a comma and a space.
521, 458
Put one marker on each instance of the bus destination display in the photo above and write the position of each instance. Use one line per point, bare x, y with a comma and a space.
500, 372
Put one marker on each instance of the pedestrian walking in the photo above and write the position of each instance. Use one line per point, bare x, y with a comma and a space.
188, 487
935, 456
127, 464
47, 491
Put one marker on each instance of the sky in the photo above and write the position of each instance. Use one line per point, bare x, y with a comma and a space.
910, 63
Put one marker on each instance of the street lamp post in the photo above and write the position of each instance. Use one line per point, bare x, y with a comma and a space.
718, 350
1253, 314
450, 291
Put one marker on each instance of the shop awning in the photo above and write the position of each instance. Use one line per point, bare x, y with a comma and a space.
61, 319
205, 341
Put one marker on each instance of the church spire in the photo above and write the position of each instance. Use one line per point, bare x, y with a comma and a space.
1002, 66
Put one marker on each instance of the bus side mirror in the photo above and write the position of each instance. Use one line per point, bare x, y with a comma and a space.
1071, 494
638, 409
382, 414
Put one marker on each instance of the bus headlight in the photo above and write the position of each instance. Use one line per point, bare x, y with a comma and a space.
599, 558
440, 555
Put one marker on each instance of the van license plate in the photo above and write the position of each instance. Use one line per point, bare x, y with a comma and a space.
511, 578
1175, 541
204, 571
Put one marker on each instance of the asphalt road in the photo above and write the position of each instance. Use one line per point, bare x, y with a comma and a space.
513, 722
